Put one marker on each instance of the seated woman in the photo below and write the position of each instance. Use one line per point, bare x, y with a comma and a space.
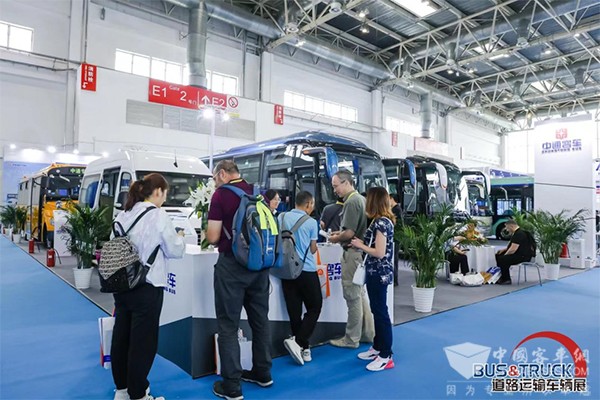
457, 256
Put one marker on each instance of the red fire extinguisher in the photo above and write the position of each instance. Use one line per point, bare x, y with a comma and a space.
31, 244
50, 258
565, 251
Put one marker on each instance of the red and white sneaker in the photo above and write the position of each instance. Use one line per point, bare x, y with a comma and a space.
379, 364
368, 355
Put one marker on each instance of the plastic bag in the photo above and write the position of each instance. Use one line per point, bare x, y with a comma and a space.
472, 280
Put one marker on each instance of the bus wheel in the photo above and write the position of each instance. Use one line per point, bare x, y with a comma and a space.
502, 233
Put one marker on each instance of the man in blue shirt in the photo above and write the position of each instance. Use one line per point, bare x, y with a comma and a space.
306, 288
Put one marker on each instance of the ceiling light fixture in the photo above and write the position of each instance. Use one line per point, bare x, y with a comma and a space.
549, 51
577, 34
335, 7
471, 70
300, 42
51, 149
364, 28
363, 13
13, 146
450, 72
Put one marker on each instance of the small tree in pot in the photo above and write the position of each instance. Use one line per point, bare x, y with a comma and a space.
8, 215
424, 243
85, 227
552, 230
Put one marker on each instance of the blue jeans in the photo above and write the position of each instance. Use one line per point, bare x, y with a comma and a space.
383, 326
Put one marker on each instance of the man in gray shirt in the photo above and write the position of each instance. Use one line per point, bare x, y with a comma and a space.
360, 326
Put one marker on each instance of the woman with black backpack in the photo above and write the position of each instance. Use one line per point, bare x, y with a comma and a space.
137, 311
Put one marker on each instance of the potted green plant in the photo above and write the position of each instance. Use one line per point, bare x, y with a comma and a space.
84, 228
551, 231
423, 243
20, 220
8, 215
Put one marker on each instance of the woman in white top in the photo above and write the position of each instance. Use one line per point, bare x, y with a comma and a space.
137, 312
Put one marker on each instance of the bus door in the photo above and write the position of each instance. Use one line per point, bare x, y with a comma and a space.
402, 180
313, 169
278, 175
109, 190
479, 188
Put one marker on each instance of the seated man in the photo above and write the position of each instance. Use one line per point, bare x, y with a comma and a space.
457, 256
519, 249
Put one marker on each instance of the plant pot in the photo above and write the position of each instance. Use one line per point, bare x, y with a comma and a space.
17, 238
423, 298
83, 277
9, 233
552, 271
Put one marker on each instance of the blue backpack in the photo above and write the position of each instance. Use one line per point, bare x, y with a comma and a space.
255, 232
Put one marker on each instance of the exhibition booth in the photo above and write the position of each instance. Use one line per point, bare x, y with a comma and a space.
188, 323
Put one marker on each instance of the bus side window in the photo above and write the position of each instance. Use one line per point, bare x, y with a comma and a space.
249, 167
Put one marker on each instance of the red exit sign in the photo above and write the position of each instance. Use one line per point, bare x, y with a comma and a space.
184, 96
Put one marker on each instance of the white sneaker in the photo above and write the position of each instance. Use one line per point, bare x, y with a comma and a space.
306, 356
150, 397
368, 355
294, 349
121, 394
379, 364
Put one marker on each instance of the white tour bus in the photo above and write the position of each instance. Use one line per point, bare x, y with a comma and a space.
106, 183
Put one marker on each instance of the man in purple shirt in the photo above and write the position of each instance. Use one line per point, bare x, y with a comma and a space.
235, 287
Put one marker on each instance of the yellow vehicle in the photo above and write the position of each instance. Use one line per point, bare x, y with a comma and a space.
45, 191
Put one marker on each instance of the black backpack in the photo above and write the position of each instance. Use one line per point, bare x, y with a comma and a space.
120, 268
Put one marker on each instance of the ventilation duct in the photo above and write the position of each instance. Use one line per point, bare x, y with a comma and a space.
196, 53
516, 90
451, 55
426, 112
504, 25
523, 33
579, 78
487, 116
550, 73
235, 16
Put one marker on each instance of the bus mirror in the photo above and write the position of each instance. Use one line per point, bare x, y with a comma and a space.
121, 200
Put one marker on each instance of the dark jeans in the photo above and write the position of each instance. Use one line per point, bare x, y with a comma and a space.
304, 289
383, 326
135, 338
504, 262
458, 260
236, 287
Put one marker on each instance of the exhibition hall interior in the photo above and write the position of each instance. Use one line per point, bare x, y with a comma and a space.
299, 199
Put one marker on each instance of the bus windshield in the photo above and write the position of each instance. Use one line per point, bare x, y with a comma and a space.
368, 171
479, 202
179, 186
64, 183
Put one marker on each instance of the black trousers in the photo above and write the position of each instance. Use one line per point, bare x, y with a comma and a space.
306, 289
236, 287
135, 338
505, 261
458, 261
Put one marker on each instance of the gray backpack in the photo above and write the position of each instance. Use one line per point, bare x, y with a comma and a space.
288, 264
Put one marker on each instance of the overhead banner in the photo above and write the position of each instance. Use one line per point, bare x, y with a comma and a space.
278, 114
564, 170
188, 96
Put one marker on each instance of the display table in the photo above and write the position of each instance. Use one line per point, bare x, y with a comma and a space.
188, 322
481, 258
60, 238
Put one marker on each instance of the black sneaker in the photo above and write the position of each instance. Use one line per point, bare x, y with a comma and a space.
262, 381
504, 282
220, 391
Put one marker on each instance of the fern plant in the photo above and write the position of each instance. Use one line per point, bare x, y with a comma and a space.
424, 242
8, 216
85, 227
552, 230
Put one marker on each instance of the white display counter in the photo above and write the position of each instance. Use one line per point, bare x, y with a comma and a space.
188, 322
481, 258
60, 238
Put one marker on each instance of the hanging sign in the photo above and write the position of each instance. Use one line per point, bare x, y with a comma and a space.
278, 114
88, 77
186, 96
395, 139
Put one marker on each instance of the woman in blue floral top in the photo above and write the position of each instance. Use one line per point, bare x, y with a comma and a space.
379, 265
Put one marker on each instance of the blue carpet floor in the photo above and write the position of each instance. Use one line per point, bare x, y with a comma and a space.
49, 345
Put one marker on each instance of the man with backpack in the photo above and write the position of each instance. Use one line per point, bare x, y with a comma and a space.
306, 288
237, 286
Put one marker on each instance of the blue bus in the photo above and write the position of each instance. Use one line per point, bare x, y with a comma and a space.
306, 161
